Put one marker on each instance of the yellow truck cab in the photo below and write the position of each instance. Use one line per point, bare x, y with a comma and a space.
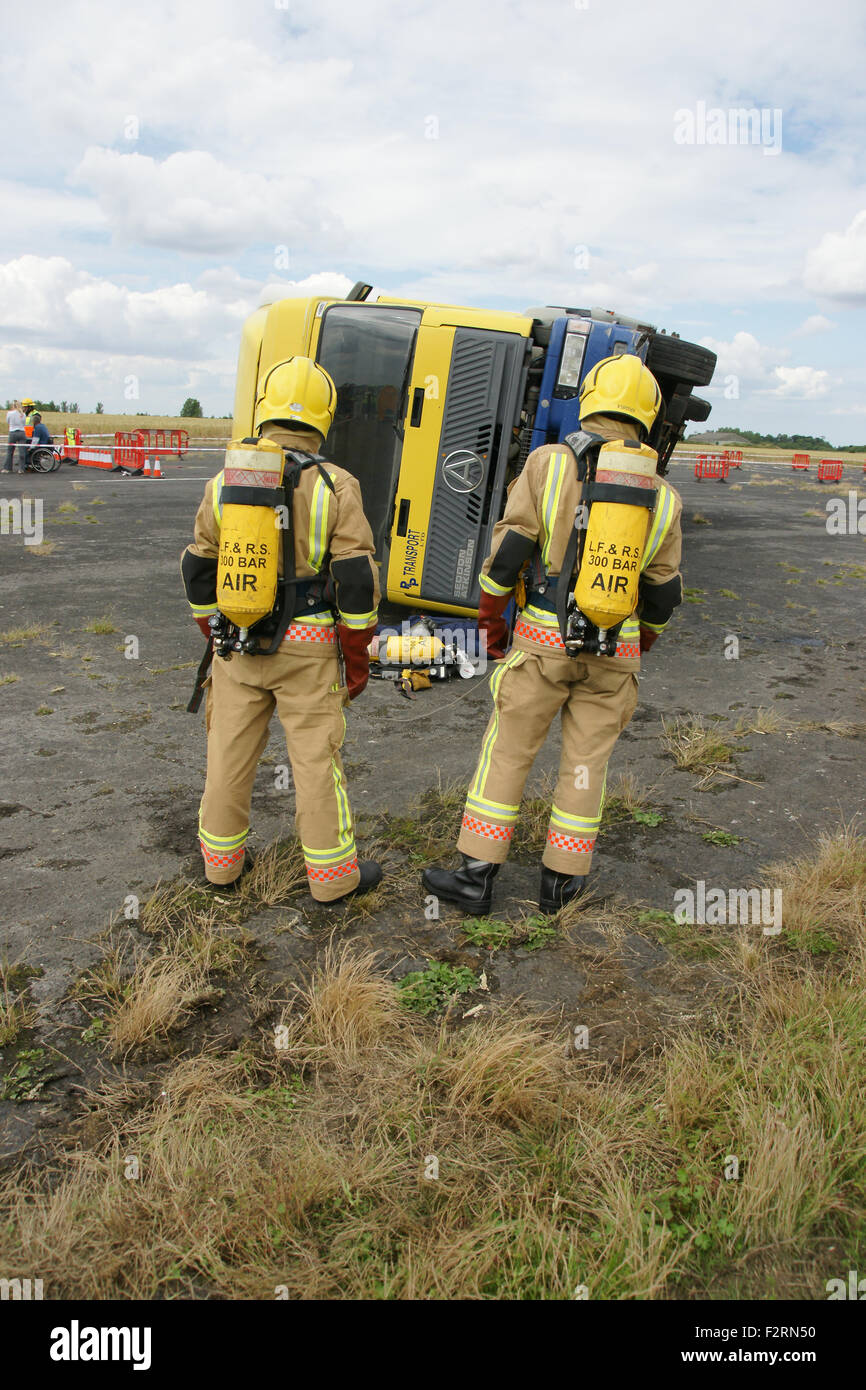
438, 407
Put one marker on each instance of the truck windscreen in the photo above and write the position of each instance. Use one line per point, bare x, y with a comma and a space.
367, 349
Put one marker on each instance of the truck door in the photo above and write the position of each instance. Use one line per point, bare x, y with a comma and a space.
367, 349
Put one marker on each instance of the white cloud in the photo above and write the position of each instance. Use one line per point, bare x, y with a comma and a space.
801, 383
743, 357
49, 302
815, 323
836, 267
192, 201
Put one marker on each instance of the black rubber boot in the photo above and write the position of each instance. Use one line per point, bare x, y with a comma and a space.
371, 877
470, 886
558, 889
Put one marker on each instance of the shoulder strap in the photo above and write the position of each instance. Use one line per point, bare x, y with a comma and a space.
585, 448
298, 460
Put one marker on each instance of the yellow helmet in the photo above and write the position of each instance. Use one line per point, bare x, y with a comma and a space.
25, 400
297, 391
621, 386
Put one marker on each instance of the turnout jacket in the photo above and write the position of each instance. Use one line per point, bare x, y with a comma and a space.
332, 538
536, 527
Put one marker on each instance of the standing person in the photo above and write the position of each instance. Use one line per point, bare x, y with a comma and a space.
338, 596
17, 439
594, 693
29, 409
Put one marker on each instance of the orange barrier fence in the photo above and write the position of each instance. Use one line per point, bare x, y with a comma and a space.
801, 461
712, 466
829, 470
164, 442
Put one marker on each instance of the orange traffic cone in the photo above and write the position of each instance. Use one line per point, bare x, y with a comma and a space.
157, 470
146, 470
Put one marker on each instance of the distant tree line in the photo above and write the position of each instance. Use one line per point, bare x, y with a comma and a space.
64, 408
791, 441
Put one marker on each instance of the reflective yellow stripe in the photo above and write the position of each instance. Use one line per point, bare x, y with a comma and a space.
661, 524
490, 586
629, 631
478, 782
319, 523
222, 842
497, 809
550, 501
542, 617
327, 856
204, 610
358, 620
563, 820
217, 496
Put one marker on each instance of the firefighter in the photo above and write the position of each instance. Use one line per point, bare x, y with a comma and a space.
29, 413
337, 600
594, 694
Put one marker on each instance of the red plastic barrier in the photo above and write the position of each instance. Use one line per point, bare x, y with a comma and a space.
801, 461
829, 471
735, 457
129, 450
156, 443
712, 466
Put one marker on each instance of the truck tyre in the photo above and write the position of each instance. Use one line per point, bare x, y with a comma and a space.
686, 362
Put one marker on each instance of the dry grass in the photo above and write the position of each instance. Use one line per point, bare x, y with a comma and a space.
626, 795
695, 745
278, 874
43, 548
369, 1154
761, 721
825, 892
9, 678
160, 995
17, 1012
18, 636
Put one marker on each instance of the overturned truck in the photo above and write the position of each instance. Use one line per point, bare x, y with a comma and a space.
440, 405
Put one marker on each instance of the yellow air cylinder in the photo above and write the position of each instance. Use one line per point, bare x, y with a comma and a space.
412, 649
606, 588
249, 553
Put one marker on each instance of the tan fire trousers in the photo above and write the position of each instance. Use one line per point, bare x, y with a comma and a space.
302, 682
596, 699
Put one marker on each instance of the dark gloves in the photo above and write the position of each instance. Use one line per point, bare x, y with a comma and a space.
492, 623
647, 638
356, 658
203, 624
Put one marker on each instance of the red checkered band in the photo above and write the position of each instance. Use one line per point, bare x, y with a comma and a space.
544, 636
572, 844
310, 632
327, 875
487, 828
216, 860
549, 637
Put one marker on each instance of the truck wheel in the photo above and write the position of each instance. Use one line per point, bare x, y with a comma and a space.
687, 362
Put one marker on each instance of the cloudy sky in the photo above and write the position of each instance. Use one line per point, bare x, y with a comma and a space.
165, 165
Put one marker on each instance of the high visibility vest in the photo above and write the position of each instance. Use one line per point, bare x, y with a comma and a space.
70, 434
